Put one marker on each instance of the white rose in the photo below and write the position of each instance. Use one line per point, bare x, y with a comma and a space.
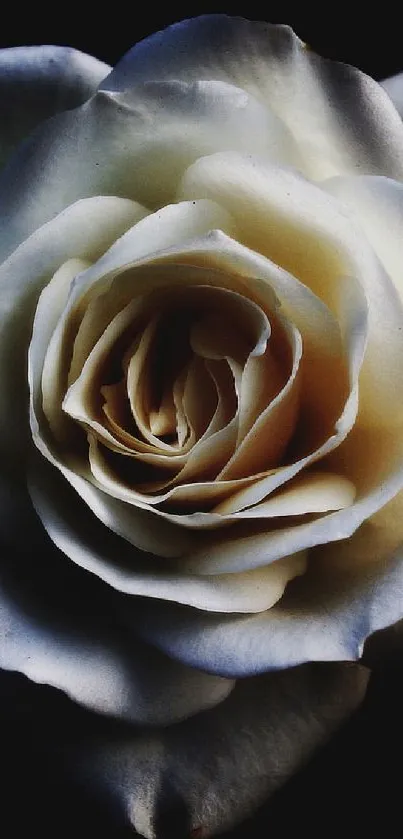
201, 385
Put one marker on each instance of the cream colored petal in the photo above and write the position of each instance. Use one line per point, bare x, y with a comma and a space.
207, 455
135, 448
155, 117
83, 399
172, 226
163, 420
133, 144
163, 538
339, 117
325, 349
377, 206
257, 547
54, 298
216, 445
312, 492
262, 380
182, 426
314, 236
219, 251
265, 443
84, 231
375, 541
137, 382
136, 525
128, 571
194, 494
199, 399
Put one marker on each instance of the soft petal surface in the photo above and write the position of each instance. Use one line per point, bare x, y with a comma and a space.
171, 101
377, 206
394, 89
309, 233
50, 634
84, 231
350, 590
252, 549
40, 81
222, 155
135, 145
244, 749
339, 117
76, 532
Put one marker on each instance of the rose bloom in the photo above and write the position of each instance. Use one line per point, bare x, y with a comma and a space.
201, 406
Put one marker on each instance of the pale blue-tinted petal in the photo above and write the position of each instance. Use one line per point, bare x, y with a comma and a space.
83, 231
209, 773
326, 615
61, 627
40, 81
394, 89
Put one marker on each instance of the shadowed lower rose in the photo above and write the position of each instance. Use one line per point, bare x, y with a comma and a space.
202, 406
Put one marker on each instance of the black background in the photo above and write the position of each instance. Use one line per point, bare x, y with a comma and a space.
371, 40
353, 785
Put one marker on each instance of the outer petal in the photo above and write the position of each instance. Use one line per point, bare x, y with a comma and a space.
377, 206
84, 231
73, 529
49, 633
207, 774
394, 89
135, 145
309, 233
171, 101
38, 82
351, 589
340, 118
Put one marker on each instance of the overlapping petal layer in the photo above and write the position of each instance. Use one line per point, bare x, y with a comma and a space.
61, 627
40, 81
208, 376
205, 85
267, 390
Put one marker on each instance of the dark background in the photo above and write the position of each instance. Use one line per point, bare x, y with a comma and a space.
353, 785
371, 40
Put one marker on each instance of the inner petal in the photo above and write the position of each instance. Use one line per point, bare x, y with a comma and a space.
266, 440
